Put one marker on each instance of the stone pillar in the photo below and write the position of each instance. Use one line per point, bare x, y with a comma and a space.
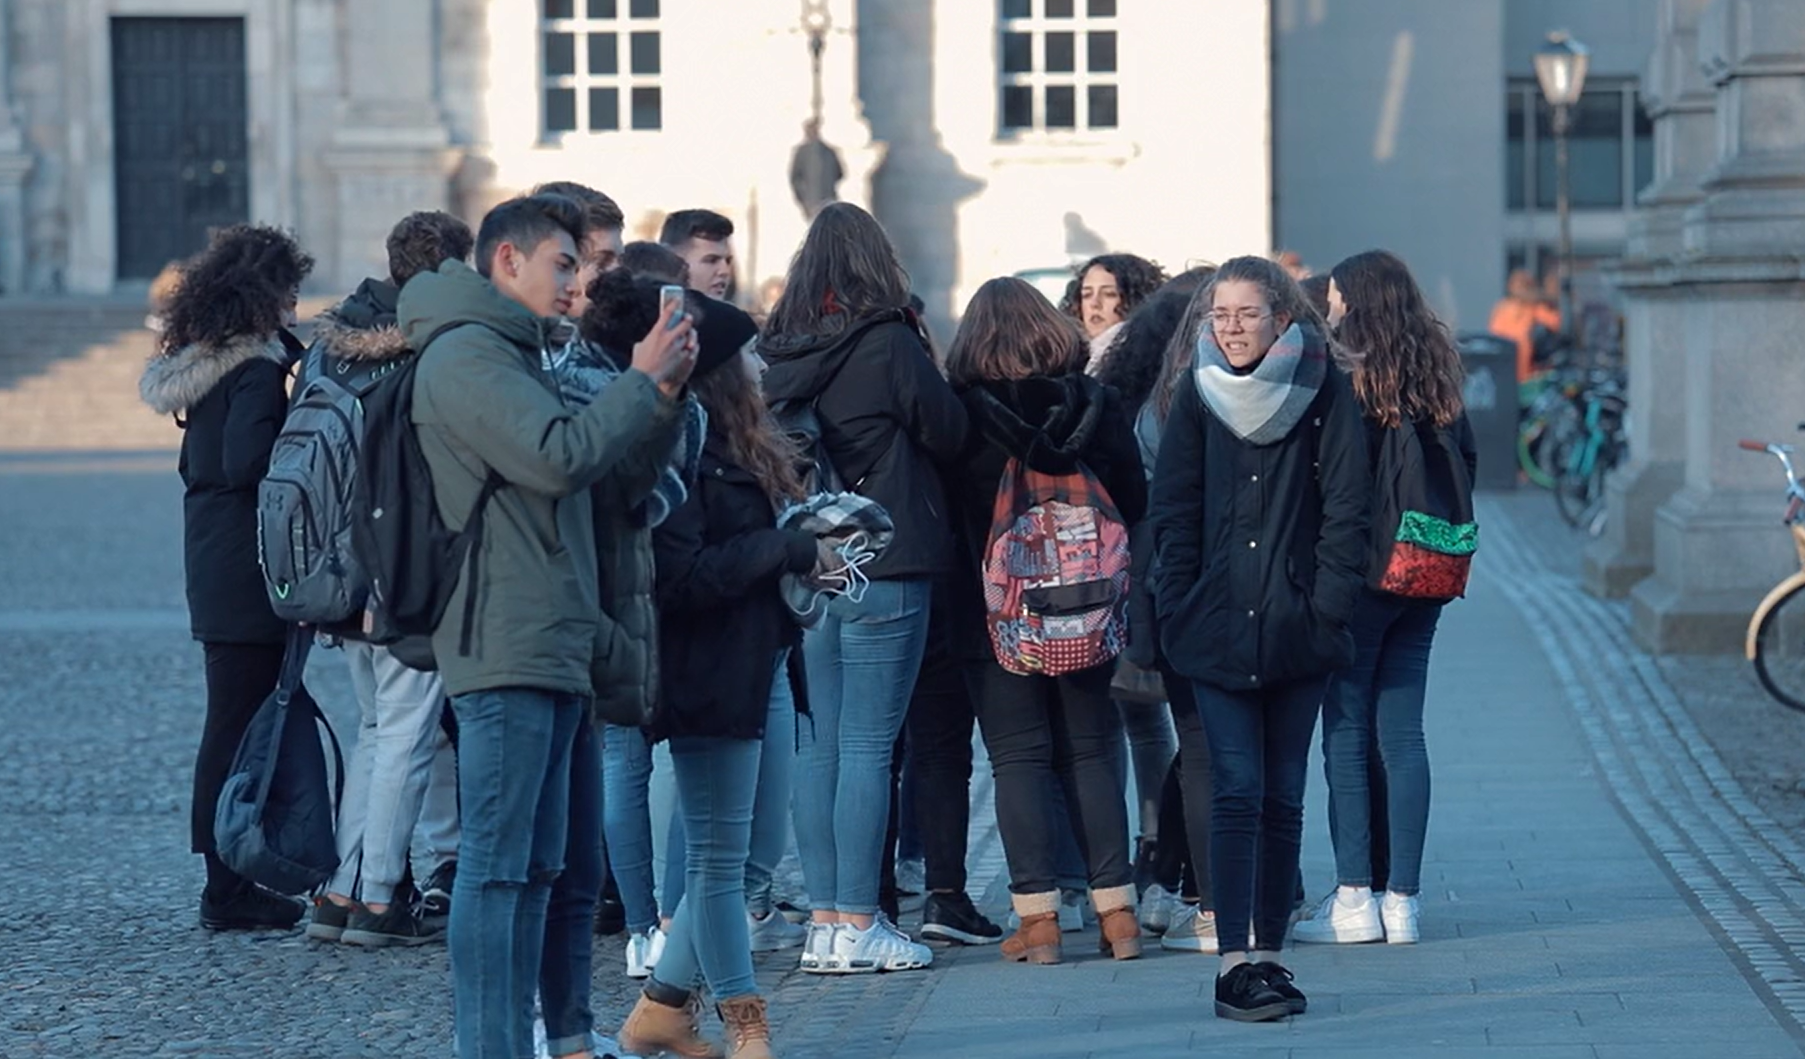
15, 166
1682, 103
1740, 296
391, 153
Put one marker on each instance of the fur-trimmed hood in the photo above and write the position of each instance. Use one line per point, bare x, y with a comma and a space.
1047, 422
363, 328
175, 382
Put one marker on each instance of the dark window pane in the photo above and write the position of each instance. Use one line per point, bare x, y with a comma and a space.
1061, 53
1100, 49
604, 53
560, 109
1018, 8
559, 8
643, 9
1595, 152
1101, 8
1102, 106
604, 109
1643, 149
1018, 53
560, 54
1062, 107
603, 9
645, 53
648, 108
1059, 8
1018, 107
1515, 136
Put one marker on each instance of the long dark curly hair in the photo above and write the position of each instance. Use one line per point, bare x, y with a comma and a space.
1136, 280
1141, 355
243, 284
1407, 365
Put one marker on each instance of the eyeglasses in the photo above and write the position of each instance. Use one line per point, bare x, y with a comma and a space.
1247, 318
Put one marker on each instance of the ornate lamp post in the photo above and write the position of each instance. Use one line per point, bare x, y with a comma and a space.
1561, 69
816, 22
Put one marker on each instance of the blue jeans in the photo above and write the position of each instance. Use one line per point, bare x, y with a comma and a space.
717, 784
565, 969
514, 750
627, 822
770, 810
1384, 690
1259, 759
862, 662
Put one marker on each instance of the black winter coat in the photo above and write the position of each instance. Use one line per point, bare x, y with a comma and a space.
722, 621
1052, 425
1261, 550
231, 401
887, 418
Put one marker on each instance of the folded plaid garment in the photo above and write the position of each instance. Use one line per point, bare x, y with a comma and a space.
863, 529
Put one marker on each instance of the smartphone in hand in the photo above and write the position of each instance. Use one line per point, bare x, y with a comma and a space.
671, 296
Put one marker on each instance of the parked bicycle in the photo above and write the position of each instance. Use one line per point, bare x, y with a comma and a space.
1776, 638
1584, 457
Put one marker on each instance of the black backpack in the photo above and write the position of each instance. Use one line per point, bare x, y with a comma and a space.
274, 823
1424, 536
800, 418
411, 558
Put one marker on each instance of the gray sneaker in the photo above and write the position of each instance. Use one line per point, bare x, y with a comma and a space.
399, 925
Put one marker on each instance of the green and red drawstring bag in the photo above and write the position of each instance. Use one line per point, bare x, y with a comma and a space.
1424, 533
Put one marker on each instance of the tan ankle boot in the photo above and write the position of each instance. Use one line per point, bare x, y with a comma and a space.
748, 1030
655, 1027
1119, 932
1037, 940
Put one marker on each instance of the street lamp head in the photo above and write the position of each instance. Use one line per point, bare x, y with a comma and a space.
815, 18
1561, 68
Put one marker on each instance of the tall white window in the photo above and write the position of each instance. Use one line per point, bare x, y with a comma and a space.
602, 62
1056, 66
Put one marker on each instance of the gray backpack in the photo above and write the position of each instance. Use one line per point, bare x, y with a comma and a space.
310, 569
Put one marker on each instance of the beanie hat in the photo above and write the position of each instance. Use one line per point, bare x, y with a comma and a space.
723, 329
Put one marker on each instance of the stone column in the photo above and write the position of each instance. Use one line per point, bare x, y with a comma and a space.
15, 166
1682, 103
1740, 295
391, 153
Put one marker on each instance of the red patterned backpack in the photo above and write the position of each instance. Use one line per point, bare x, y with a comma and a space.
1056, 573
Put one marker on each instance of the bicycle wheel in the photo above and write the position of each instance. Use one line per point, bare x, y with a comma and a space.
1780, 651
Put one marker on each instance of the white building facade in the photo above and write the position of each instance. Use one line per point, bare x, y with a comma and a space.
991, 136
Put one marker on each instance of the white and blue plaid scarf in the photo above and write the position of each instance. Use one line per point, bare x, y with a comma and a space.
583, 371
1264, 405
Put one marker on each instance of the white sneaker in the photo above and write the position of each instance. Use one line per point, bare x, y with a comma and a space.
1072, 904
640, 958
1160, 908
1349, 916
818, 948
880, 947
1399, 913
655, 951
1192, 930
774, 932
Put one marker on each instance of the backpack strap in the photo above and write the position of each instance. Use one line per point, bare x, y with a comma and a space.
471, 540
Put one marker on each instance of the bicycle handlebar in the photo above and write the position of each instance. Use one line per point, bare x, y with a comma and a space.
1753, 446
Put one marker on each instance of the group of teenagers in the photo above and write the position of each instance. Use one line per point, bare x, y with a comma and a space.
621, 452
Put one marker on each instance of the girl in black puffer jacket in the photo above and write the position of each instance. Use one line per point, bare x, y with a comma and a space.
1020, 367
222, 370
1260, 520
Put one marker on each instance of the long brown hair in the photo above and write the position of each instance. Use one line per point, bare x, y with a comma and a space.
1408, 367
755, 443
1181, 347
847, 269
1011, 331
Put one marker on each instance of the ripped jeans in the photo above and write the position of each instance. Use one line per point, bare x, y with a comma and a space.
514, 749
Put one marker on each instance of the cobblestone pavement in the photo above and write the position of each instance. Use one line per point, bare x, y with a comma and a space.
1599, 881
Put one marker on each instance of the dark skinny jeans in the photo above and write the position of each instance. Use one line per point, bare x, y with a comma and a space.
1259, 760
1380, 699
1041, 731
1182, 860
938, 729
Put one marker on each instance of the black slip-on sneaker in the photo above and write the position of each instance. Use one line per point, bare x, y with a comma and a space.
328, 921
1244, 995
952, 917
399, 924
251, 908
1280, 979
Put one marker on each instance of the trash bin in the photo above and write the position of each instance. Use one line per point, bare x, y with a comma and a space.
1491, 399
